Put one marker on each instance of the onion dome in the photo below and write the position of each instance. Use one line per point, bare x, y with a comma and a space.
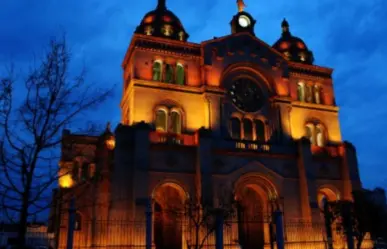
293, 47
162, 23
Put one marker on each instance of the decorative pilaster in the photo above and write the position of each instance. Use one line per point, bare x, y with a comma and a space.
306, 189
349, 170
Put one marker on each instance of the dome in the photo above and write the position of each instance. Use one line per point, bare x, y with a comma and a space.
293, 47
162, 23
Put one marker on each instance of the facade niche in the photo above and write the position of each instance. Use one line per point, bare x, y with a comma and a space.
309, 93
180, 77
78, 222
169, 73
316, 134
235, 128
161, 120
167, 120
157, 70
247, 129
259, 130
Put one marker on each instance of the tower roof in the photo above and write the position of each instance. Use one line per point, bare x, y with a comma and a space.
242, 21
162, 22
292, 47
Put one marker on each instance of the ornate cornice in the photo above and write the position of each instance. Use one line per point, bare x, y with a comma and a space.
313, 106
304, 70
174, 87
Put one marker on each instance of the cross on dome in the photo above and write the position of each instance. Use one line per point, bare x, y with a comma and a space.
241, 5
161, 4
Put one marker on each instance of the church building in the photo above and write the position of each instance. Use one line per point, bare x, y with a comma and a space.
229, 117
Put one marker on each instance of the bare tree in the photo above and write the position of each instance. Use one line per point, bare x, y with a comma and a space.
202, 222
32, 117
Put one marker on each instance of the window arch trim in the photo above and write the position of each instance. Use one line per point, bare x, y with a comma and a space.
314, 124
183, 80
169, 106
160, 73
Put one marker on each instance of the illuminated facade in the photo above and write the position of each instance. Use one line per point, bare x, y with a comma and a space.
231, 115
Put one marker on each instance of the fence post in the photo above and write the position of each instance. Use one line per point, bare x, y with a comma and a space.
347, 220
279, 229
219, 221
148, 214
71, 225
328, 225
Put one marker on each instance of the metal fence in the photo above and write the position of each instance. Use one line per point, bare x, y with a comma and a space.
182, 233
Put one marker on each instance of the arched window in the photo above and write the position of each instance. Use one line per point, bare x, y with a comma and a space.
317, 94
161, 121
181, 36
168, 73
175, 122
309, 94
75, 171
235, 128
309, 133
247, 129
301, 91
320, 136
85, 171
78, 222
180, 75
259, 130
157, 70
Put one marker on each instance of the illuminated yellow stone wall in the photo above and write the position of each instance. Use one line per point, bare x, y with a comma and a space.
146, 98
302, 113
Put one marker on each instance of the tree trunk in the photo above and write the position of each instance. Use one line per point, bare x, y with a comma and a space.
23, 219
22, 226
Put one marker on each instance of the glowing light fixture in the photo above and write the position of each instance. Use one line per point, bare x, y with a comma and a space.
66, 181
110, 142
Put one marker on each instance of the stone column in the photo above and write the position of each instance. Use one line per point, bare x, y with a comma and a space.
349, 170
204, 166
307, 186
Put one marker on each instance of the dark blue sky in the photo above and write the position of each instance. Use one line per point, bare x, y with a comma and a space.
347, 35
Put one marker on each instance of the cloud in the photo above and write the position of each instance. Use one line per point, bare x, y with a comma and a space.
346, 35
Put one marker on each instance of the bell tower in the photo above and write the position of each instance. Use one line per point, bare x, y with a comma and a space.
242, 21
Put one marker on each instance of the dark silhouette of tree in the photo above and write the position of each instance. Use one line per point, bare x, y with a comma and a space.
33, 114
362, 216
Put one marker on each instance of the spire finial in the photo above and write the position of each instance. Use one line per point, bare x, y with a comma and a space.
108, 126
241, 5
161, 4
285, 26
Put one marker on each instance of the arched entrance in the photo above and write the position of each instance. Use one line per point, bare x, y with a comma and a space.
251, 219
253, 193
168, 206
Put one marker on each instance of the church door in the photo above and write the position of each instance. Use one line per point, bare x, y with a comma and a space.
251, 221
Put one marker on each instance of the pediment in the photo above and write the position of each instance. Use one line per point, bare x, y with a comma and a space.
243, 45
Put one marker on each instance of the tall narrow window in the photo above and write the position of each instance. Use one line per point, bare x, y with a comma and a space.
75, 171
309, 94
78, 222
259, 130
85, 171
168, 73
176, 122
320, 136
235, 128
309, 129
157, 70
317, 94
301, 91
180, 75
161, 121
247, 129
